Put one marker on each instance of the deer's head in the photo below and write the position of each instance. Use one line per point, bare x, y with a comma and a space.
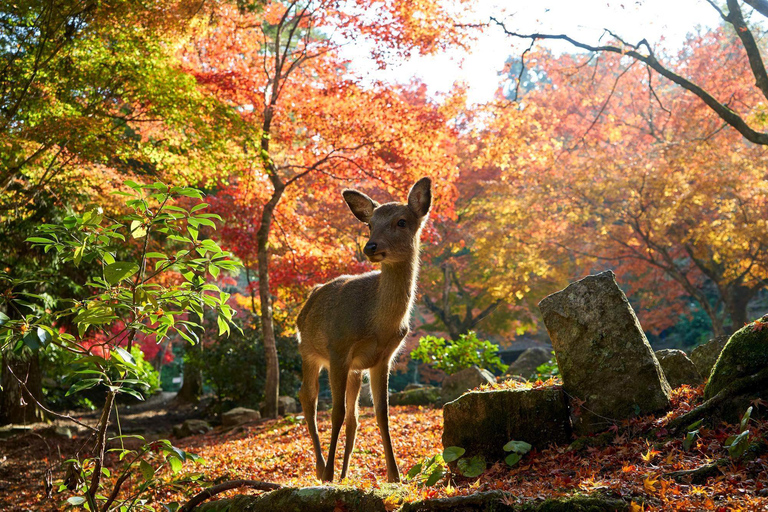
394, 227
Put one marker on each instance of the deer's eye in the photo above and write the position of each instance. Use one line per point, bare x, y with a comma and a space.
401, 223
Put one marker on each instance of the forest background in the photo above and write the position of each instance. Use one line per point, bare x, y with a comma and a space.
631, 157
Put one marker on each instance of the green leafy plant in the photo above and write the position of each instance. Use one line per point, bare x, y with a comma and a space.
691, 435
454, 356
548, 369
133, 292
428, 472
738, 444
518, 449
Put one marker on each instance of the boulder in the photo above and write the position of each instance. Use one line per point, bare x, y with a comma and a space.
238, 416
482, 422
366, 399
745, 354
418, 396
460, 382
525, 365
678, 369
705, 356
605, 360
191, 428
285, 405
307, 499
500, 501
414, 385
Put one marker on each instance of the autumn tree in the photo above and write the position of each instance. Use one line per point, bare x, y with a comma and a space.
308, 125
649, 183
748, 119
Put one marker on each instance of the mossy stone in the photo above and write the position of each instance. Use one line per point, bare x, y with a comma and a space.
745, 354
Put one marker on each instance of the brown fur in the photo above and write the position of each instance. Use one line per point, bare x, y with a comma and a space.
356, 323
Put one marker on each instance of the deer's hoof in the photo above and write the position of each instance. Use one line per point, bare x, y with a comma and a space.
327, 474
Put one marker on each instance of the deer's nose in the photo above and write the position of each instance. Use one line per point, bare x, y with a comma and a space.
370, 249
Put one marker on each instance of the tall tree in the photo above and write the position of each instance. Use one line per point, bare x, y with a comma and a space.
307, 122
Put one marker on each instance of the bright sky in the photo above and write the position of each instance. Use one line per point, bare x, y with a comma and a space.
661, 22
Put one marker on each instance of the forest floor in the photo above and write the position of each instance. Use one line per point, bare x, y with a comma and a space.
630, 463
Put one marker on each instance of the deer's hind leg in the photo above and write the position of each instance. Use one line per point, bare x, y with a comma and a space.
338, 374
310, 387
354, 382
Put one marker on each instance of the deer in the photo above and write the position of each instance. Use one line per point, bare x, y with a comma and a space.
358, 323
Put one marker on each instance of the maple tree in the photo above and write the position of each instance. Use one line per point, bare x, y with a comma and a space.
747, 119
307, 124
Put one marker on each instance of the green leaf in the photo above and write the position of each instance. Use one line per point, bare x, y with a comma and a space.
147, 471
83, 384
737, 445
176, 464
43, 336
690, 437
3, 318
120, 270
435, 476
137, 229
745, 420
453, 453
39, 240
415, 470
76, 500
123, 355
31, 340
517, 447
223, 326
513, 458
473, 467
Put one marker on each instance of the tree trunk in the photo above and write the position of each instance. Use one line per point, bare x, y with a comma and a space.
192, 385
736, 307
272, 385
16, 403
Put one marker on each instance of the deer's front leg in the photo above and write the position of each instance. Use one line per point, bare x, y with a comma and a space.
310, 371
380, 391
338, 377
354, 381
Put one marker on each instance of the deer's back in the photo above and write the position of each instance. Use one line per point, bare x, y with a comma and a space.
339, 317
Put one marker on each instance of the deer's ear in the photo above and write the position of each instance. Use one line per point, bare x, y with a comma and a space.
360, 204
420, 197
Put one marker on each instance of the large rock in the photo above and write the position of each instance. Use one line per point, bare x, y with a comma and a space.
460, 382
417, 396
605, 360
529, 360
678, 369
285, 405
307, 499
705, 356
366, 399
238, 416
190, 428
499, 501
482, 422
745, 354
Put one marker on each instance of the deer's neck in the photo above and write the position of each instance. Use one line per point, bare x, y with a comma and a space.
397, 288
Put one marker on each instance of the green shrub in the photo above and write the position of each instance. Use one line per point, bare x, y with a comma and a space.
454, 356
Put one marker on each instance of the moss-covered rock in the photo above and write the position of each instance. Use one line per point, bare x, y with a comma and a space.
498, 501
417, 396
745, 354
525, 365
705, 356
678, 368
459, 383
482, 422
307, 499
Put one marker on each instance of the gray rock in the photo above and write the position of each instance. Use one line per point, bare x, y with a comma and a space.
745, 354
307, 499
414, 385
417, 396
460, 382
604, 357
500, 501
285, 405
678, 369
238, 416
63, 432
482, 422
705, 356
366, 400
190, 428
525, 365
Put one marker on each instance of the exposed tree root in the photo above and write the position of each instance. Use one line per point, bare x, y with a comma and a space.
226, 486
